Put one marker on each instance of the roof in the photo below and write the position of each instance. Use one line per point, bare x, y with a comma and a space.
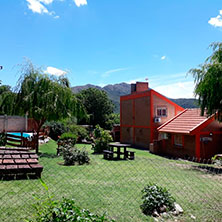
185, 122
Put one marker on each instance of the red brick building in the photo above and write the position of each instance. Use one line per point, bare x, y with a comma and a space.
142, 112
191, 135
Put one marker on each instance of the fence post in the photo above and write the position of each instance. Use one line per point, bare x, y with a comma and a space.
26, 122
5, 123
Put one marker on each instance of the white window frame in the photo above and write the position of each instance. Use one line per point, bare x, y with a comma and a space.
161, 108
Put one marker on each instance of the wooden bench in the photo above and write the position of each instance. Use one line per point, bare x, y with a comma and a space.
16, 163
107, 154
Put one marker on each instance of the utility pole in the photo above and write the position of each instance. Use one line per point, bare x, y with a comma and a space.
1, 67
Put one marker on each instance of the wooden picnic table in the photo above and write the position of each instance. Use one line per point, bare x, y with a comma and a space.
119, 149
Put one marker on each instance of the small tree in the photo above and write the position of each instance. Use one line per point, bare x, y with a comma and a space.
102, 140
208, 79
45, 97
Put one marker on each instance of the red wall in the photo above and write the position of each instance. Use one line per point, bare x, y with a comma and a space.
137, 112
194, 146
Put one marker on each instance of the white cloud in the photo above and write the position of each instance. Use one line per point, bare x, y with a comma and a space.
54, 71
177, 90
107, 73
80, 2
177, 85
216, 21
102, 85
163, 58
39, 6
142, 79
47, 2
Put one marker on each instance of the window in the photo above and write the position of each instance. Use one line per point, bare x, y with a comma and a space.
178, 140
163, 136
161, 111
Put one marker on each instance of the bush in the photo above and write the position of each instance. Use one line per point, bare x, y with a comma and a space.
50, 210
72, 155
98, 131
56, 129
217, 160
80, 131
68, 138
103, 138
2, 139
154, 198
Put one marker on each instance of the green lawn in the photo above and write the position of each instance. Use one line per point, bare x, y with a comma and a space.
115, 186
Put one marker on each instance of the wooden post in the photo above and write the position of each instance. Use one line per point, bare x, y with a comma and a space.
26, 122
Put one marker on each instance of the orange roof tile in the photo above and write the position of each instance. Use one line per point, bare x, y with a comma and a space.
185, 122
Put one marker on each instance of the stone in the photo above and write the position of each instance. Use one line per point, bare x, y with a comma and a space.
163, 209
175, 213
178, 208
155, 214
165, 215
193, 217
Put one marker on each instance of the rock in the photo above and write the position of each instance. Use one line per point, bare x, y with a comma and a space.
178, 208
155, 214
163, 209
175, 213
165, 215
193, 217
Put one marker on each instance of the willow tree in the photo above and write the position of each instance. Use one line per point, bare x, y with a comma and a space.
208, 80
45, 97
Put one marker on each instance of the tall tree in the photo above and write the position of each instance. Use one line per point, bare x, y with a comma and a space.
45, 97
208, 80
97, 104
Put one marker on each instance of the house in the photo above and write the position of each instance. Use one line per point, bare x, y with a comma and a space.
191, 135
142, 112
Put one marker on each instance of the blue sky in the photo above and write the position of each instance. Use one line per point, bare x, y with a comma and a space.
110, 41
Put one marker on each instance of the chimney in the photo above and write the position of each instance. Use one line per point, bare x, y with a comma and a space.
139, 87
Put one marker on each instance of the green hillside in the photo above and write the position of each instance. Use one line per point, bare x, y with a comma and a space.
115, 91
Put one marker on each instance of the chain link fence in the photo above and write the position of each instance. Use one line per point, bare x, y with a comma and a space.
115, 187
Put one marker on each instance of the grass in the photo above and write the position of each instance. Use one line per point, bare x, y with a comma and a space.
115, 186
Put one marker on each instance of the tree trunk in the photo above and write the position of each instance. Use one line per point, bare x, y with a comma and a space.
37, 142
40, 124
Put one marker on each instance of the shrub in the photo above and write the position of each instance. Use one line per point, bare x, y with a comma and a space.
72, 155
56, 129
98, 131
217, 160
50, 210
68, 138
80, 131
155, 197
2, 139
103, 138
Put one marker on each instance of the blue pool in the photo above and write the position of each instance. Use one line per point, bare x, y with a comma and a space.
19, 134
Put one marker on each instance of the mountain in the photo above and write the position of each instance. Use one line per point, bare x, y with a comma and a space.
115, 91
